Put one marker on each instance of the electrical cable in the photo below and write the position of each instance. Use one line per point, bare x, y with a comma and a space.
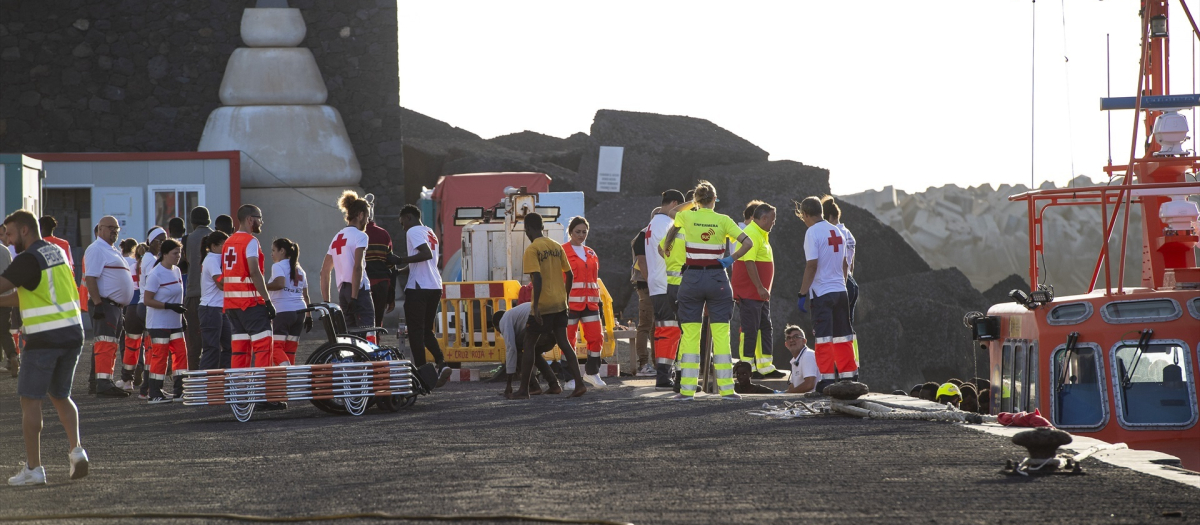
299, 519
289, 186
1032, 87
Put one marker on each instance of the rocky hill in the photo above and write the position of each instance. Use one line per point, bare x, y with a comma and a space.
909, 318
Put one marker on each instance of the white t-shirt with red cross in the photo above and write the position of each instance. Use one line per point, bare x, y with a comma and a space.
824, 243
423, 275
341, 249
656, 281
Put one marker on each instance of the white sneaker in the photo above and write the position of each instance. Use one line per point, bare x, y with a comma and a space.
79, 462
594, 379
27, 476
647, 370
568, 386
681, 397
731, 396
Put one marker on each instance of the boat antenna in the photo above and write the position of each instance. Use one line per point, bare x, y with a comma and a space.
1067, 79
1032, 86
1108, 75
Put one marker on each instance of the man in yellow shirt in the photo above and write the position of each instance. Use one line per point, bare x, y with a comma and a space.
551, 276
752, 278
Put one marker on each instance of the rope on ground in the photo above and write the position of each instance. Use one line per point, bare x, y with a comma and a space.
869, 410
791, 410
296, 519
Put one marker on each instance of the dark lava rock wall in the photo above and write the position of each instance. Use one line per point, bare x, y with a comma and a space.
140, 75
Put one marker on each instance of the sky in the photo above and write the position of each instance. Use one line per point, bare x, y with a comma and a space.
908, 94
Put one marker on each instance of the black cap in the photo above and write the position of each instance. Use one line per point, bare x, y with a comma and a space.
672, 196
200, 216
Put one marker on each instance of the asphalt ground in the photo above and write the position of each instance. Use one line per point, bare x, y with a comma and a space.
613, 454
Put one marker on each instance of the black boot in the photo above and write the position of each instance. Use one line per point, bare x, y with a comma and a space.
663, 376
593, 365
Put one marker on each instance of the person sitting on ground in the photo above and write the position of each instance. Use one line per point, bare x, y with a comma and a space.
970, 398
948, 393
929, 391
899, 393
511, 324
916, 390
955, 381
984, 388
741, 380
804, 362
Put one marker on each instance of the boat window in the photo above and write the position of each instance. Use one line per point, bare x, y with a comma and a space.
1194, 307
1031, 386
1154, 385
1006, 374
1018, 391
1069, 313
1078, 392
1140, 311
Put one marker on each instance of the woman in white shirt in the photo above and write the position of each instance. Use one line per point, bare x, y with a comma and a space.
163, 296
288, 288
216, 332
346, 257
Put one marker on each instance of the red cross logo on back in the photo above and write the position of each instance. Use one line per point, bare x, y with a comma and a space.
835, 240
230, 257
338, 243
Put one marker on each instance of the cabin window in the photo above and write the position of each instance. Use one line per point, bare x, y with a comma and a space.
1078, 393
1018, 390
1006, 375
1031, 400
1154, 385
1194, 307
1069, 313
1141, 311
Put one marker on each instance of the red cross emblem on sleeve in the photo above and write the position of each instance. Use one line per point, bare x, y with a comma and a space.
338, 243
432, 241
835, 240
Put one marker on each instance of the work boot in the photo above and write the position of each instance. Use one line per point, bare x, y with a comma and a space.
14, 365
592, 367
663, 375
139, 375
106, 388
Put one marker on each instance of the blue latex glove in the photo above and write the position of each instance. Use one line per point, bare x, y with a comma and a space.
726, 262
800, 304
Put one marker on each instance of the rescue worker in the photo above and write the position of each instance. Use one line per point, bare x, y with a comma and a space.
825, 285
423, 291
833, 215
347, 257
658, 278
289, 293
49, 302
216, 332
550, 274
583, 303
247, 302
705, 285
753, 276
164, 322
110, 288
134, 361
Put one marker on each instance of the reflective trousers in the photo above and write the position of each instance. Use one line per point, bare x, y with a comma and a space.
135, 327
757, 334
705, 288
286, 328
251, 342
164, 344
666, 327
590, 319
106, 339
834, 337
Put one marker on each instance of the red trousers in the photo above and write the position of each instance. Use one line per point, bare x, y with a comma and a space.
164, 344
590, 319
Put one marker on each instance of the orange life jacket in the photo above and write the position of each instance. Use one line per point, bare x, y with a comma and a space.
585, 285
235, 273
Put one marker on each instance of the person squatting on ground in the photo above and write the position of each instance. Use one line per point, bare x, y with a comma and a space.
247, 303
949, 393
583, 303
705, 285
346, 257
753, 276
512, 325
164, 322
825, 284
639, 357
833, 215
216, 332
194, 252
423, 291
662, 293
110, 288
135, 316
804, 374
49, 303
289, 293
550, 273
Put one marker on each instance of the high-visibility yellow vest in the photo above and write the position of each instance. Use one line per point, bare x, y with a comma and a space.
50, 312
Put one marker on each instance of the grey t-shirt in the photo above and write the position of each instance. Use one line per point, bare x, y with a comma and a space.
195, 255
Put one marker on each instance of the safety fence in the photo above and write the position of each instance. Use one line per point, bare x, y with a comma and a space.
349, 381
465, 330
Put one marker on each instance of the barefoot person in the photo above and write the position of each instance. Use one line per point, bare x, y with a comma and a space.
550, 273
512, 324
49, 305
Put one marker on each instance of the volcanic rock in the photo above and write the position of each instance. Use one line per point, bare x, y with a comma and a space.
998, 293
